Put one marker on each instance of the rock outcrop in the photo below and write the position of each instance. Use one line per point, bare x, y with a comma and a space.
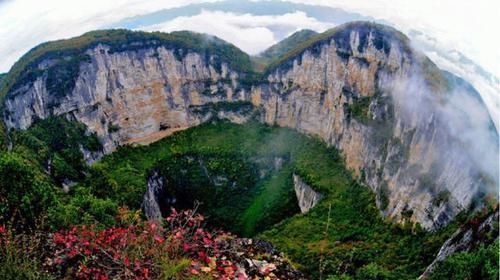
468, 237
155, 192
306, 196
360, 87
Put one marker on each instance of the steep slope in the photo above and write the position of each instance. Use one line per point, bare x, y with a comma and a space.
396, 118
126, 86
480, 231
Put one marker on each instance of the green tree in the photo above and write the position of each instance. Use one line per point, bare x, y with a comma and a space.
479, 264
25, 194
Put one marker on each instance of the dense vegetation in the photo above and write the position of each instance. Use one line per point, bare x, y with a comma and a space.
242, 175
65, 56
281, 48
481, 263
200, 161
42, 159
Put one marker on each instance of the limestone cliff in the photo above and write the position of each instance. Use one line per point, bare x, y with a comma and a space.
393, 115
129, 97
359, 87
154, 193
306, 196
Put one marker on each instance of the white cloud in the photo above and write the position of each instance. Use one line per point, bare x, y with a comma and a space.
249, 32
488, 90
27, 23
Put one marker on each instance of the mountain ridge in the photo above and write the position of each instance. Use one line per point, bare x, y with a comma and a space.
287, 44
336, 78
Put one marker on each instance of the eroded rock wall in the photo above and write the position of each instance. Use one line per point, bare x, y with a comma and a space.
361, 90
130, 97
418, 165
306, 196
465, 239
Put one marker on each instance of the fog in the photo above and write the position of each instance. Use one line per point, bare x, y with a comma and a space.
455, 122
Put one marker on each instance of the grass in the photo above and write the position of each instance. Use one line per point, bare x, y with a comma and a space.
276, 192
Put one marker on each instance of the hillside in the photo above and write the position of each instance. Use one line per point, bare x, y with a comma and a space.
282, 47
287, 44
365, 127
347, 153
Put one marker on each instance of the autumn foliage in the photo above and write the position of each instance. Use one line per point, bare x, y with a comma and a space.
144, 250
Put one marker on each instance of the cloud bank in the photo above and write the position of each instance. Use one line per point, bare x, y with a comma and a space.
467, 26
248, 32
27, 23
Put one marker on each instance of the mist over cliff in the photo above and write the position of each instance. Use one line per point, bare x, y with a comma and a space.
409, 131
462, 115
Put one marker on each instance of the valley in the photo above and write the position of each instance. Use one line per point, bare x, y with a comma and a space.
338, 155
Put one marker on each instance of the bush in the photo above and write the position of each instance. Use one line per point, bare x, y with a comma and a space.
19, 256
25, 195
360, 109
82, 207
182, 249
478, 264
372, 271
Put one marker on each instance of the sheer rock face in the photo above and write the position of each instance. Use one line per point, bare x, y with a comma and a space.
306, 196
361, 90
129, 97
153, 197
420, 168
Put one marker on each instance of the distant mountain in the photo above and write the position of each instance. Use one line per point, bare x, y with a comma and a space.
288, 43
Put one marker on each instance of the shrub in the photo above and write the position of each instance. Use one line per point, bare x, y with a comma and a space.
442, 197
372, 271
24, 193
145, 250
82, 207
478, 264
19, 256
360, 109
113, 128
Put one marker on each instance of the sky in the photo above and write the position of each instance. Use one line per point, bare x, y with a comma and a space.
459, 35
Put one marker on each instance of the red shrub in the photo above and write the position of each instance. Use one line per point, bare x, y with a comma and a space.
136, 250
